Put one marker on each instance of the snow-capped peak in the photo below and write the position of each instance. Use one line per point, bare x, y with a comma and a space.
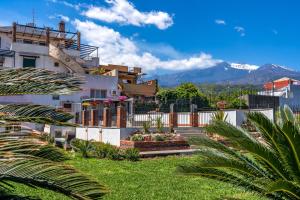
244, 66
283, 67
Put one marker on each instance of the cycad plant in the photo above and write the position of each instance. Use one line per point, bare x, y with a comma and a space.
24, 158
219, 115
270, 167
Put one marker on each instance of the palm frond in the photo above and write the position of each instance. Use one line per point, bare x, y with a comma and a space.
288, 187
270, 167
242, 140
52, 176
220, 175
37, 81
31, 110
34, 114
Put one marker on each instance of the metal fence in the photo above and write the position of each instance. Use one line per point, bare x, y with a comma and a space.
151, 119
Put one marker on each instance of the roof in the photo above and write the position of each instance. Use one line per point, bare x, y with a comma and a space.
281, 83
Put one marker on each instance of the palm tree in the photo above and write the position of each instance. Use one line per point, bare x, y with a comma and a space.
24, 158
270, 167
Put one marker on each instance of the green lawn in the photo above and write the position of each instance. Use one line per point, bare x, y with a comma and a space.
147, 179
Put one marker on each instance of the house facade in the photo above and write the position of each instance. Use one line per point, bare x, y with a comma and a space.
287, 89
56, 50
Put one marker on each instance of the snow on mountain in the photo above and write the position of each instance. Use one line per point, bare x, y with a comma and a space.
244, 66
282, 67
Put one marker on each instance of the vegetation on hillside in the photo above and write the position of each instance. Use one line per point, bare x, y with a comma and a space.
205, 95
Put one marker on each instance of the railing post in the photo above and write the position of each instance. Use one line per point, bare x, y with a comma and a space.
173, 118
14, 32
106, 117
47, 36
84, 118
94, 118
78, 40
194, 116
121, 117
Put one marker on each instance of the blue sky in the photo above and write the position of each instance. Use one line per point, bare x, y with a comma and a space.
177, 34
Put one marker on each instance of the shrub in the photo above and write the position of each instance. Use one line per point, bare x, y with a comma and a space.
85, 148
159, 137
132, 154
47, 138
114, 153
159, 125
146, 127
137, 137
101, 149
219, 116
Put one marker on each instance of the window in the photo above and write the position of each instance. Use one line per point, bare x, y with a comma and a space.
67, 105
42, 43
98, 93
56, 64
29, 61
2, 61
55, 97
27, 41
103, 93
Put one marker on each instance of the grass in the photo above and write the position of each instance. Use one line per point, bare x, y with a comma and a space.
149, 179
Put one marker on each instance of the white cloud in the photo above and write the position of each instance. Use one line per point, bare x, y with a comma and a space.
117, 49
220, 22
59, 16
124, 12
75, 6
240, 30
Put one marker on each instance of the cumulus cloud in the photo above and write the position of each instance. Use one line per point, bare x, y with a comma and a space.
117, 49
124, 12
240, 30
58, 16
66, 3
220, 22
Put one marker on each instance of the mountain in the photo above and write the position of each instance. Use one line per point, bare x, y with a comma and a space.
229, 73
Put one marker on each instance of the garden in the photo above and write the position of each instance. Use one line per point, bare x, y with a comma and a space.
246, 167
153, 179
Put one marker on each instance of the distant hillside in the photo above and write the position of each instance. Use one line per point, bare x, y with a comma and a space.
228, 73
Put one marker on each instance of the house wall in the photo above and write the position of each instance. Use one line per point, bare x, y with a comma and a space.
95, 82
294, 97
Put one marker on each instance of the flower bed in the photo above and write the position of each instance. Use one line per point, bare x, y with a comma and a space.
155, 145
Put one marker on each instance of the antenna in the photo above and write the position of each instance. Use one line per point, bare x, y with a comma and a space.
33, 19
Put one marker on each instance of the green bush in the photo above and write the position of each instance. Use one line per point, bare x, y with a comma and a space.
146, 127
137, 137
114, 153
132, 154
101, 149
159, 125
159, 138
85, 148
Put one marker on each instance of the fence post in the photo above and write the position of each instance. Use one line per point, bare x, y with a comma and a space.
84, 118
172, 117
106, 117
194, 116
121, 117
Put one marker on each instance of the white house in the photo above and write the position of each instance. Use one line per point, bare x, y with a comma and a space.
54, 50
24, 46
